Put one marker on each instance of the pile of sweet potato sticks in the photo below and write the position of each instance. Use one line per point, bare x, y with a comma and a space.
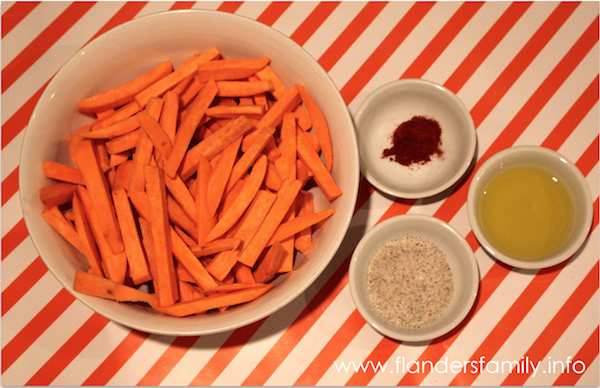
189, 189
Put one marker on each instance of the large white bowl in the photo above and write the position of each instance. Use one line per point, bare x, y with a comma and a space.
460, 258
561, 168
133, 48
396, 102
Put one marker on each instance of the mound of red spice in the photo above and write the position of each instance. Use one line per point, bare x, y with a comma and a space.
415, 142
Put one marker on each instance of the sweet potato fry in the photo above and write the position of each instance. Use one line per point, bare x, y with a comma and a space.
242, 273
124, 93
319, 125
186, 257
182, 195
180, 219
169, 116
155, 133
285, 198
57, 220
299, 223
286, 163
273, 180
141, 157
179, 74
123, 143
220, 176
216, 246
62, 172
205, 221
215, 301
120, 114
105, 288
304, 206
268, 267
98, 190
122, 175
117, 129
321, 175
168, 292
233, 111
57, 194
86, 237
243, 88
230, 69
138, 267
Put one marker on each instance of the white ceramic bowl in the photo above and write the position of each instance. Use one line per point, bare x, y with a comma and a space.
396, 102
564, 170
133, 48
460, 258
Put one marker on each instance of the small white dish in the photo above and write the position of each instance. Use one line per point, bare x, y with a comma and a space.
460, 258
561, 168
396, 102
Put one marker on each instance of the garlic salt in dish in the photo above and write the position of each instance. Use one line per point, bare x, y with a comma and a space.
530, 207
413, 278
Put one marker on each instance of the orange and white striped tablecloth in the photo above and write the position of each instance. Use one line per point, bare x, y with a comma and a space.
528, 72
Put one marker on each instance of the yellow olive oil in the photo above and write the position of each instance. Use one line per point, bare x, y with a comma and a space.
526, 212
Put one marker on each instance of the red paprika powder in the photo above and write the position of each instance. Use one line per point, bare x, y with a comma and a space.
415, 141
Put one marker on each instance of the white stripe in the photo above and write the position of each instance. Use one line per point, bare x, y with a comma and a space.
590, 377
583, 136
6, 5
153, 7
11, 214
10, 155
17, 261
30, 28
293, 17
252, 9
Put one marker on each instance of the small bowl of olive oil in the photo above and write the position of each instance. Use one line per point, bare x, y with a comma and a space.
530, 207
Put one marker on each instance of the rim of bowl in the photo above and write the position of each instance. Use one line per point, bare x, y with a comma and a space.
464, 112
475, 187
313, 275
435, 223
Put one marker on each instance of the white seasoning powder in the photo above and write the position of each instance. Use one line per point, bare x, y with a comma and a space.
410, 282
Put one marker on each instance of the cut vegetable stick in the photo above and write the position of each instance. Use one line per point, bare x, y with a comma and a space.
102, 154
57, 194
230, 287
98, 190
105, 288
184, 236
232, 111
244, 163
74, 139
299, 223
148, 244
248, 100
243, 200
188, 292
220, 176
215, 301
244, 230
302, 172
243, 88
122, 113
267, 74
62, 172
286, 163
186, 257
268, 267
274, 116
138, 268
182, 195
191, 91
188, 126
303, 118
57, 220
155, 133
181, 86
230, 69
273, 180
184, 70
180, 218
230, 198
304, 206
86, 237
287, 243
216, 246
120, 158
319, 125
105, 114
114, 265
161, 234
119, 128
285, 198
242, 273
214, 144
123, 143
321, 175
122, 175
205, 222
124, 93
169, 115
141, 157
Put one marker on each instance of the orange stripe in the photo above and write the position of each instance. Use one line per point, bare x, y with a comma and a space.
67, 353
167, 361
571, 120
273, 12
127, 12
313, 21
385, 49
588, 160
230, 6
441, 40
14, 238
526, 114
486, 45
22, 62
558, 325
518, 65
35, 327
332, 350
343, 42
227, 352
182, 5
10, 185
383, 351
118, 357
587, 354
15, 14
23, 283
17, 122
